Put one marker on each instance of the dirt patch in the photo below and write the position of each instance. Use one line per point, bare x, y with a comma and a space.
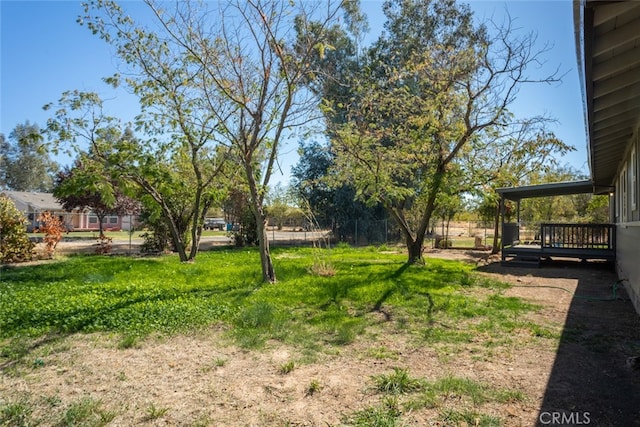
202, 379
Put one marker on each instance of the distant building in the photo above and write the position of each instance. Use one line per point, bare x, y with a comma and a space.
34, 204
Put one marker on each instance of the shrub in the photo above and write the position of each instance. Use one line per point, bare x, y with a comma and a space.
247, 232
53, 229
15, 245
104, 245
156, 239
445, 244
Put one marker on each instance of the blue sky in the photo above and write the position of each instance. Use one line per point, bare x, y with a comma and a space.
44, 52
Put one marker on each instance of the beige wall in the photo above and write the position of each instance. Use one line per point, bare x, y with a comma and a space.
627, 218
628, 257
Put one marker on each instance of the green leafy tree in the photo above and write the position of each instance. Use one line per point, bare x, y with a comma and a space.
570, 208
15, 245
175, 167
433, 83
84, 185
332, 202
280, 205
597, 209
311, 183
510, 157
25, 164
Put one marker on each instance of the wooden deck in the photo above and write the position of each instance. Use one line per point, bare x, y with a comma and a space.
578, 241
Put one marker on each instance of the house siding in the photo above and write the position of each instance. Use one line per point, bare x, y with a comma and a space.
110, 222
628, 222
628, 267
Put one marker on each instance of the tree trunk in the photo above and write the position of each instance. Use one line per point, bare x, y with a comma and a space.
256, 203
414, 245
496, 229
201, 206
415, 251
178, 243
196, 228
176, 239
196, 233
268, 272
100, 227
446, 234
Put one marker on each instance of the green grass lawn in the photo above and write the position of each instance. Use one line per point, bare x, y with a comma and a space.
364, 296
444, 301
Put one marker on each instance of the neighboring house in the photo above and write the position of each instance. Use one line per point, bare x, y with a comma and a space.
33, 204
608, 47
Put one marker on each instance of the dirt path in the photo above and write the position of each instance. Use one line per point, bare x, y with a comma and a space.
594, 379
202, 379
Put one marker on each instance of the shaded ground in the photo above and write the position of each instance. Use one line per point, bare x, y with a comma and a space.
594, 378
576, 367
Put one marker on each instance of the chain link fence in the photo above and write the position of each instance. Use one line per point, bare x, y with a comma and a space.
365, 232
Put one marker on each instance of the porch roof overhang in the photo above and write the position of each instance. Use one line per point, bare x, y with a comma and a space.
546, 190
608, 52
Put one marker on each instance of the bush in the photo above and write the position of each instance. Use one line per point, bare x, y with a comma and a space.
15, 245
446, 244
53, 229
104, 245
247, 232
156, 238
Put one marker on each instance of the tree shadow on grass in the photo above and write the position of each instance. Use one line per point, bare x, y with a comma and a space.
72, 268
19, 348
403, 288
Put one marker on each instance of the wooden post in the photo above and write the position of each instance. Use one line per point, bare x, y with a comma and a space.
502, 226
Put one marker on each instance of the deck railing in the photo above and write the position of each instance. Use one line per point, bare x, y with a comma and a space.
578, 236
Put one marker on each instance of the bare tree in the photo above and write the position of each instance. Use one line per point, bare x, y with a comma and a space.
252, 66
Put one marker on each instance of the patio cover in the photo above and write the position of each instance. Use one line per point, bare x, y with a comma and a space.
545, 190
